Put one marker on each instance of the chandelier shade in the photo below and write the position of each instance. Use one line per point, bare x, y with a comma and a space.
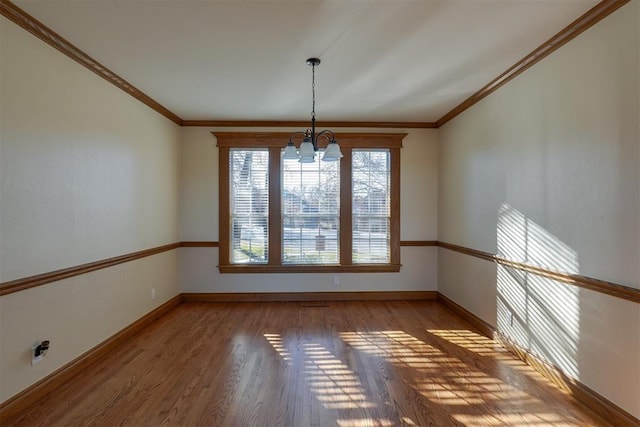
332, 152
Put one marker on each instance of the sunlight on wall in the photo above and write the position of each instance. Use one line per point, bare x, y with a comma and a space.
536, 313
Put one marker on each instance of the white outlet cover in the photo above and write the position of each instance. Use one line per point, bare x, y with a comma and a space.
35, 360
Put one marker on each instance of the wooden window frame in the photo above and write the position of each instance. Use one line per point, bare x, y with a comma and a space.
275, 142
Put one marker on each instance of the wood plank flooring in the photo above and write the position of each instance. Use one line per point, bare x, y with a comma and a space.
309, 364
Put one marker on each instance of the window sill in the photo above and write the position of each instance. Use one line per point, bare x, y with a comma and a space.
264, 269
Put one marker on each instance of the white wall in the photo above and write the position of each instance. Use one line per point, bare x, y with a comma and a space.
546, 171
199, 222
86, 173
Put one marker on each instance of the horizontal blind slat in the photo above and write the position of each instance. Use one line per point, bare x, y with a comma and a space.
371, 207
249, 205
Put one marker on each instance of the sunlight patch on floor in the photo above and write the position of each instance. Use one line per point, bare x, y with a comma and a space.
332, 382
447, 380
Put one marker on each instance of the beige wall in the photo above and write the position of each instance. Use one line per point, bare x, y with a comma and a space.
199, 221
546, 171
87, 173
546, 165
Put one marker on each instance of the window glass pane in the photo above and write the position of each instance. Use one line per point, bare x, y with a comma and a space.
249, 205
310, 212
371, 214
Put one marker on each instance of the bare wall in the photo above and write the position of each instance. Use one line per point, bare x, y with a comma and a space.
199, 222
546, 171
87, 173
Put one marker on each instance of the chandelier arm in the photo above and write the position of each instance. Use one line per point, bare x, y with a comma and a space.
297, 133
327, 134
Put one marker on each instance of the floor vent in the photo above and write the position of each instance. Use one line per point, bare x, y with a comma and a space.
312, 304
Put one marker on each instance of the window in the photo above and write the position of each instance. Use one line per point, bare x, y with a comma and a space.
249, 208
371, 217
310, 212
279, 215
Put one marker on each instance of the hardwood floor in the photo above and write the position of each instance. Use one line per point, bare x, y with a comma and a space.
309, 364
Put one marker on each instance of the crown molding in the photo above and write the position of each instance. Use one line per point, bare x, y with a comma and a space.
587, 20
46, 34
37, 28
305, 124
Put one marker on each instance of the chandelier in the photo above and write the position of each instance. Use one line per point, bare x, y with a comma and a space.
309, 145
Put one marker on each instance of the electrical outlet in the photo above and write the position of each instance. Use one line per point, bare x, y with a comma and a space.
39, 351
153, 293
336, 280
35, 359
510, 318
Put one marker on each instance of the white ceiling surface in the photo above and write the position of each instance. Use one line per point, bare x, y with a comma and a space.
382, 60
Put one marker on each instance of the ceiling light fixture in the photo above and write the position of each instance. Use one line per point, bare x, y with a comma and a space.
309, 145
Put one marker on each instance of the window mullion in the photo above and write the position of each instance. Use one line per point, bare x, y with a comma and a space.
224, 208
395, 206
275, 206
345, 208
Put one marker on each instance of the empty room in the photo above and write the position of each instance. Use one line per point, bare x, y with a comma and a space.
320, 213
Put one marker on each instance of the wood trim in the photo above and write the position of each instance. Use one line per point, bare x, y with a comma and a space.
37, 28
485, 328
275, 141
280, 139
199, 244
310, 296
206, 244
346, 207
58, 378
394, 226
46, 34
224, 223
305, 124
590, 18
418, 243
65, 273
608, 288
599, 404
606, 409
308, 268
275, 209
468, 251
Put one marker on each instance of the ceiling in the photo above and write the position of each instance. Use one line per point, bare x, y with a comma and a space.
382, 60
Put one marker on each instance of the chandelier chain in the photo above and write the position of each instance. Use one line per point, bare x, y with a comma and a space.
313, 91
